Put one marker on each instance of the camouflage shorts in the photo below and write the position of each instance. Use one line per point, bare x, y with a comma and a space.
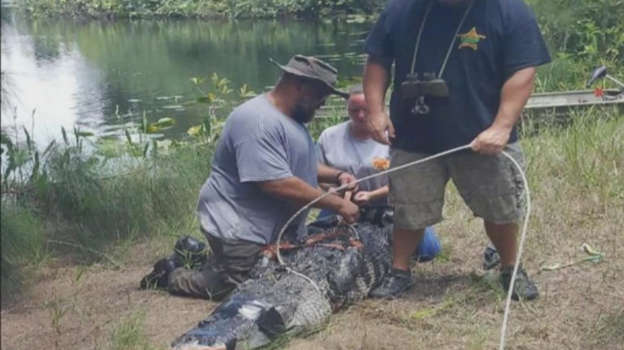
490, 185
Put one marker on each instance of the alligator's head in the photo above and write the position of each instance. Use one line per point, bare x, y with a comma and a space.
242, 318
258, 312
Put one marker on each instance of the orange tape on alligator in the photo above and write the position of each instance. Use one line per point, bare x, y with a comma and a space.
270, 251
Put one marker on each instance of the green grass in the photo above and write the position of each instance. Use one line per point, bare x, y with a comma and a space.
155, 196
585, 153
22, 245
71, 202
129, 334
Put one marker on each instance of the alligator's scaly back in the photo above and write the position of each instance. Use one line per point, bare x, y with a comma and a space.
339, 268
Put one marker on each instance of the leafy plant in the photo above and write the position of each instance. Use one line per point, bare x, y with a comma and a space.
588, 30
218, 96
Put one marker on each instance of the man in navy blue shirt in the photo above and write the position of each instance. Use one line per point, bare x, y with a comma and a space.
463, 71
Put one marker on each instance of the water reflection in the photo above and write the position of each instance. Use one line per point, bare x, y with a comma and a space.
51, 85
99, 74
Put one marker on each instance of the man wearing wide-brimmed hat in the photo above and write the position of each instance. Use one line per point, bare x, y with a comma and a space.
264, 169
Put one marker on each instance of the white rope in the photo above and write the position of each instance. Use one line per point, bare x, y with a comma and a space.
400, 167
520, 248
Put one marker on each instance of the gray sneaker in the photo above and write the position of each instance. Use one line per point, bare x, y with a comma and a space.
524, 288
394, 284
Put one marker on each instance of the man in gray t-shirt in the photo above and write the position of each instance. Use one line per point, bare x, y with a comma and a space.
264, 169
259, 143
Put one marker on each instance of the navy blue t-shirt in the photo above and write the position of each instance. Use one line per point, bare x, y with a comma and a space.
498, 38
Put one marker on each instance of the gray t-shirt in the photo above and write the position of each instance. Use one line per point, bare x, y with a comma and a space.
339, 149
258, 143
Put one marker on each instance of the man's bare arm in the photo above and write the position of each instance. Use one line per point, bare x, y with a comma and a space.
376, 80
301, 193
328, 174
514, 95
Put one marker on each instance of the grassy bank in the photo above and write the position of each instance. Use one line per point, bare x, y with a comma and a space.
69, 208
75, 204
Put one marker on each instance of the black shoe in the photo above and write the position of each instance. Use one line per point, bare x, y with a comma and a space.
524, 288
190, 252
159, 277
491, 258
394, 284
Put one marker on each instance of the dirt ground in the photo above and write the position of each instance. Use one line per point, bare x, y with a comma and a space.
79, 307
455, 304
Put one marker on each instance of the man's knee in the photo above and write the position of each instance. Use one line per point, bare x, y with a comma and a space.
235, 258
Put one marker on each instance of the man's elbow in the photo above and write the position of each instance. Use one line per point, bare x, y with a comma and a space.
269, 187
275, 188
378, 62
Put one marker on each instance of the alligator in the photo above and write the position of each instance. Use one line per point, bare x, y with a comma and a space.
328, 270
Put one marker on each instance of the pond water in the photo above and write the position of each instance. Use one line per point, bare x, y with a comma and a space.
100, 76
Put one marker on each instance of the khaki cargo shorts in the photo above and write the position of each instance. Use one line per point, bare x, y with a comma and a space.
490, 185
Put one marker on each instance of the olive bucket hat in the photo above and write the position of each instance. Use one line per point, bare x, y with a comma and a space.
313, 68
